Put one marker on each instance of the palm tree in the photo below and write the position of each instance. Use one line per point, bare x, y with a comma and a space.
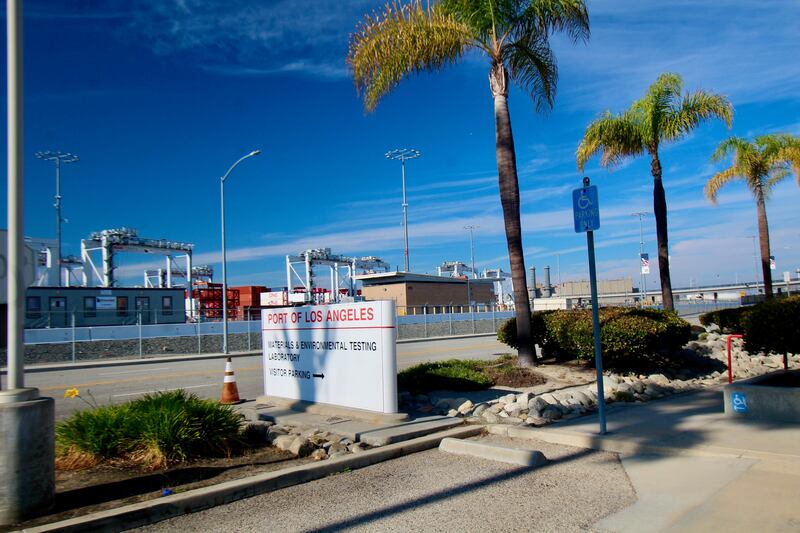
761, 164
663, 115
514, 34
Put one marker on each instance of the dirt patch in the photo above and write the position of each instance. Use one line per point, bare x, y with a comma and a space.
109, 486
514, 376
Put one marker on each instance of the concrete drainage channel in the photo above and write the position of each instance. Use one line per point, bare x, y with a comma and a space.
152, 511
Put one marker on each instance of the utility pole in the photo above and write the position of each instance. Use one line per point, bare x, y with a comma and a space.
642, 275
401, 154
58, 158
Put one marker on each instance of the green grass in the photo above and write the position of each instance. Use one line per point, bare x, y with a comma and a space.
453, 374
155, 431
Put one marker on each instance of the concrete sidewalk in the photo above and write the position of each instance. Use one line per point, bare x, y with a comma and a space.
693, 469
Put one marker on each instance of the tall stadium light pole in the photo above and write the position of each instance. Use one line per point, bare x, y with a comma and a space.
471, 228
642, 275
58, 158
402, 154
224, 256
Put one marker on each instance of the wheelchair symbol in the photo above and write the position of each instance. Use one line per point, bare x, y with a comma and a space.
584, 202
739, 402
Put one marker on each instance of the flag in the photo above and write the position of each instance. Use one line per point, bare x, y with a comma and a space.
645, 263
772, 262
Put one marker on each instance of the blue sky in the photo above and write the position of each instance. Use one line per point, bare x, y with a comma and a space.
159, 98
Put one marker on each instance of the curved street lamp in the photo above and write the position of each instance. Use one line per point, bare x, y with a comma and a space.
224, 261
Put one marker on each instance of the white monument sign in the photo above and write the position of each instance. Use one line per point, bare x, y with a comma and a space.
340, 354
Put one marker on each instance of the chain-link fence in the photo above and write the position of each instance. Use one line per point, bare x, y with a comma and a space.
58, 336
74, 336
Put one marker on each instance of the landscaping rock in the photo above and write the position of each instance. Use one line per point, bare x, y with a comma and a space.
551, 412
283, 442
319, 455
452, 413
490, 417
583, 398
465, 407
523, 398
537, 404
357, 447
513, 420
479, 409
301, 446
508, 398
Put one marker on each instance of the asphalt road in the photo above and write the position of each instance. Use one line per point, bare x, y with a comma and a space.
115, 384
436, 491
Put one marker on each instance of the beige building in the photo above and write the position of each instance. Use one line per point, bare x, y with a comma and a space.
435, 294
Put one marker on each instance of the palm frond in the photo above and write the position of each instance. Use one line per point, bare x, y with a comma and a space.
533, 68
718, 180
693, 109
616, 136
731, 145
400, 41
550, 16
778, 174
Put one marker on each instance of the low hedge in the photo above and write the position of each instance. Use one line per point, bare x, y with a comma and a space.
624, 332
728, 320
772, 326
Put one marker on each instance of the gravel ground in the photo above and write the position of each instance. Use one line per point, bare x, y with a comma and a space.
436, 491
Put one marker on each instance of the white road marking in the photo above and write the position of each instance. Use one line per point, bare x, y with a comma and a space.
164, 390
134, 371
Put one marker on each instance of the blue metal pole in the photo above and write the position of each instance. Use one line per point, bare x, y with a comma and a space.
598, 358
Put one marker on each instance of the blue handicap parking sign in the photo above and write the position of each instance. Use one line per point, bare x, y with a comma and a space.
739, 402
586, 209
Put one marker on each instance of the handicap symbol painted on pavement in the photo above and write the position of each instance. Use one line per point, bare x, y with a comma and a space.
739, 402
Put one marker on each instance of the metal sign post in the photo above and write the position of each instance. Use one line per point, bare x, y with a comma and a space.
586, 210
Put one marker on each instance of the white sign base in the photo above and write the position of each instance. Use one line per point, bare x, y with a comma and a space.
340, 354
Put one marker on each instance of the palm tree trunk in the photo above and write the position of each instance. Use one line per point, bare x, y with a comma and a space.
660, 212
763, 241
509, 198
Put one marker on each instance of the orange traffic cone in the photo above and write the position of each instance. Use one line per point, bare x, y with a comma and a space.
230, 393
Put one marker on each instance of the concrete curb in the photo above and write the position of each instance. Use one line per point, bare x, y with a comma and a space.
149, 512
627, 447
493, 452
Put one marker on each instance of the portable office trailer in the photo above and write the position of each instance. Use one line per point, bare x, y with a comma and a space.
55, 307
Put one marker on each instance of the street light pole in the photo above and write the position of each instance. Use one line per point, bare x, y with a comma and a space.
58, 158
401, 154
224, 255
642, 275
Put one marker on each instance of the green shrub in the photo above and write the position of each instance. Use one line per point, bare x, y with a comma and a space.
728, 320
155, 430
624, 332
95, 434
453, 374
772, 326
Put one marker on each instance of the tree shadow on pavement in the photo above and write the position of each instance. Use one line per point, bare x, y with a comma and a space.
437, 496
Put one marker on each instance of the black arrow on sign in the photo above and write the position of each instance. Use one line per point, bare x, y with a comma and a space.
319, 376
